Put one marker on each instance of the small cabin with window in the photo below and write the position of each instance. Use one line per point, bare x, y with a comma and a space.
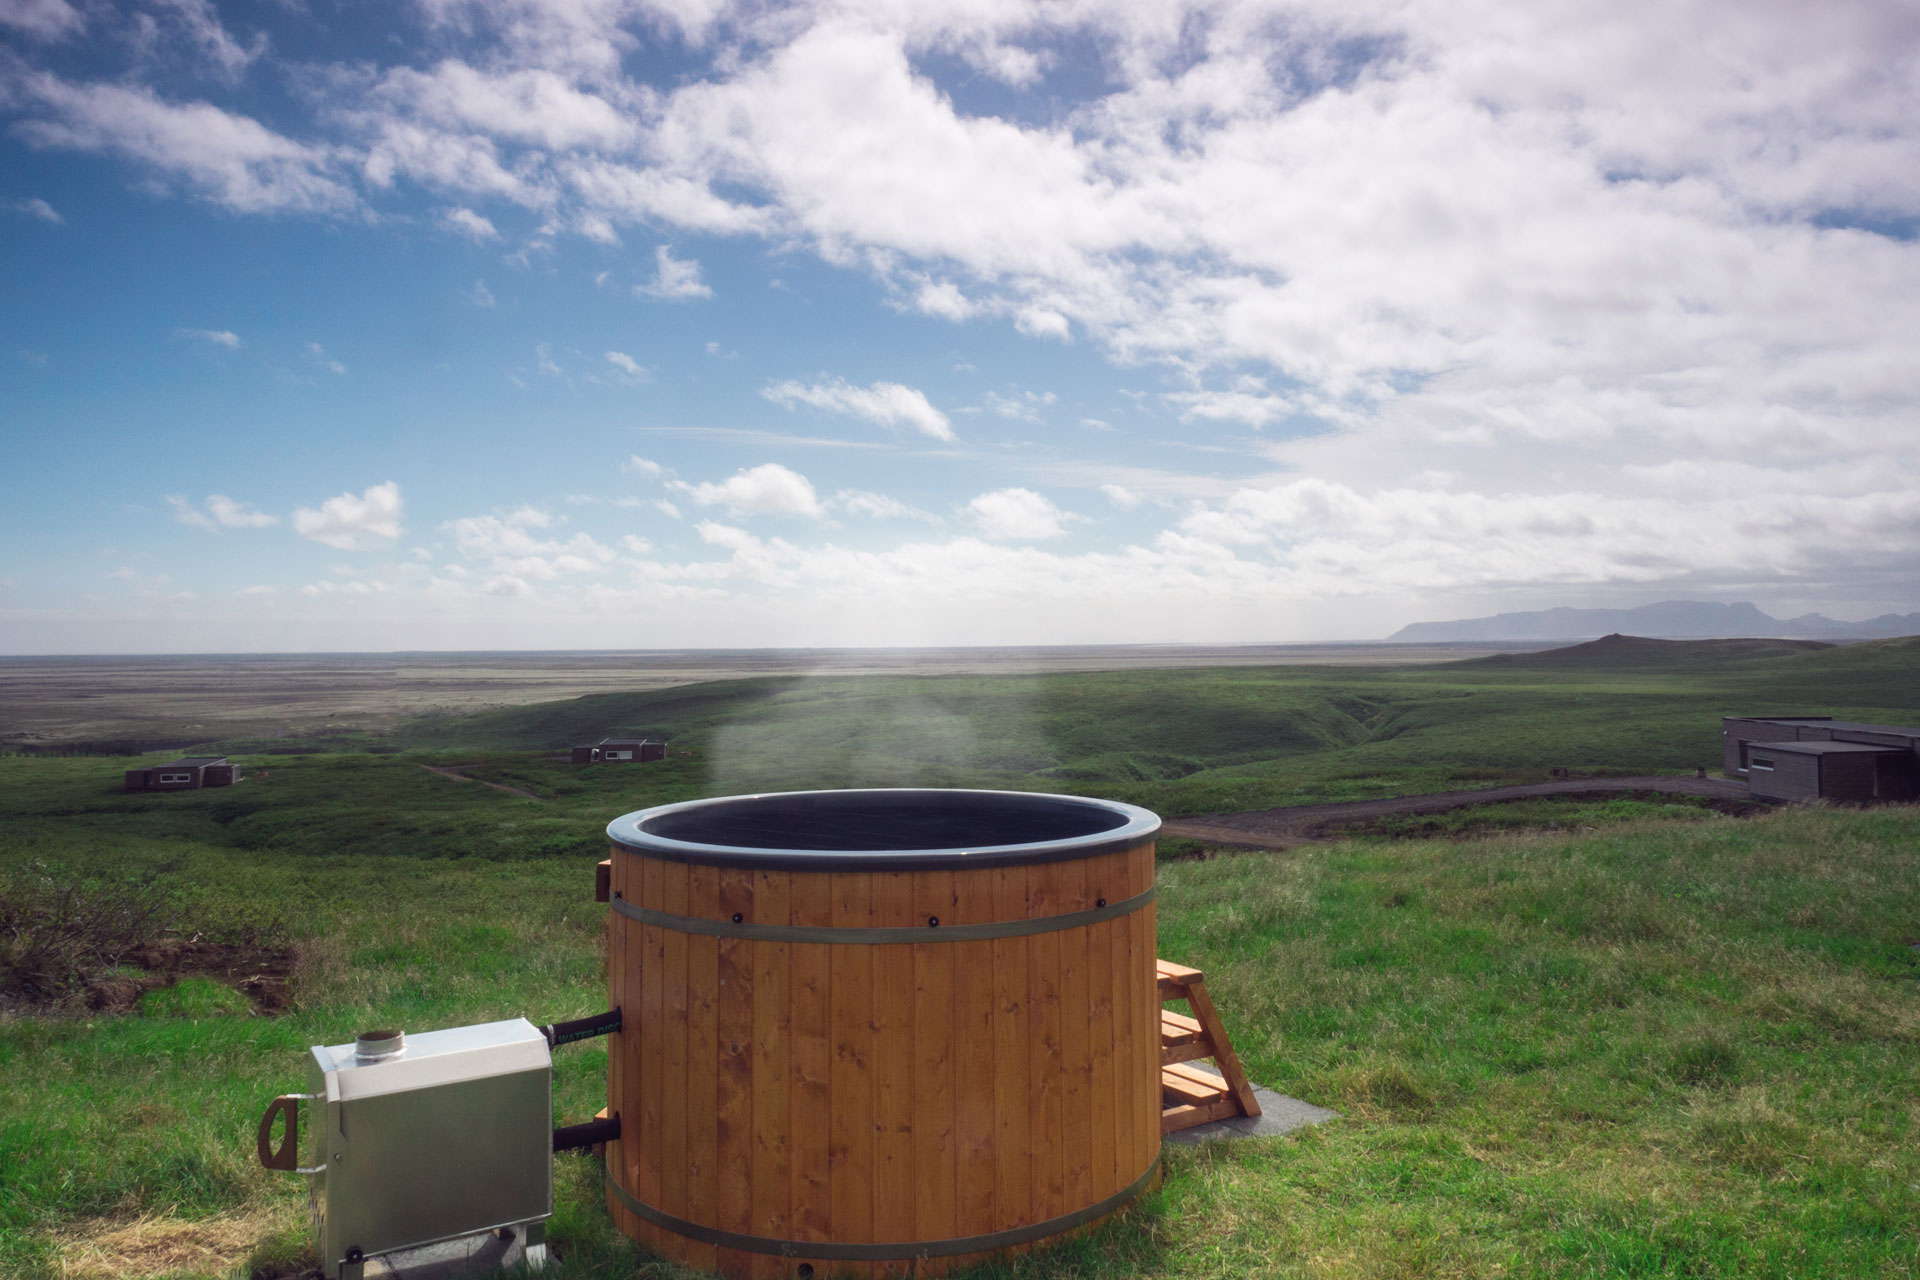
620, 750
1819, 758
188, 773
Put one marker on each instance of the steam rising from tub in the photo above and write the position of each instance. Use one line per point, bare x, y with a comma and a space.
828, 730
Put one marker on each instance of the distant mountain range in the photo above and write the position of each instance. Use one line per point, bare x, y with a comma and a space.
1672, 620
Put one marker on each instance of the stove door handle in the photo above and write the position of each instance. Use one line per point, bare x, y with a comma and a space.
287, 1156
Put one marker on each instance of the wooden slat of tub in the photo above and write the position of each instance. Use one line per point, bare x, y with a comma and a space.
974, 1064
1046, 1137
1013, 1174
1126, 1052
733, 1083
810, 1103
893, 1065
1076, 1048
1151, 1004
934, 1097
703, 1050
772, 1029
1107, 878
672, 1030
617, 998
650, 1043
1147, 1011
851, 1147
635, 966
1100, 1033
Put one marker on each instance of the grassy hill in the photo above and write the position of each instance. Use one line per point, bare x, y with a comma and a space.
1664, 1047
1638, 653
1205, 740
1661, 1049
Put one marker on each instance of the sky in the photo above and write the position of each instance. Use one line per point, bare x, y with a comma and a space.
626, 324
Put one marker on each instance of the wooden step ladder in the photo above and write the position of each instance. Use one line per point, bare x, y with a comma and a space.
1190, 1096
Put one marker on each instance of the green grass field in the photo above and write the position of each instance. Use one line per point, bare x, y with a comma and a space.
1647, 1044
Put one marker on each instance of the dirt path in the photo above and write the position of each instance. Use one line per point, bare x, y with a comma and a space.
448, 771
1302, 824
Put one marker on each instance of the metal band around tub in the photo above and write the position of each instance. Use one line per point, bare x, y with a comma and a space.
888, 934
882, 1252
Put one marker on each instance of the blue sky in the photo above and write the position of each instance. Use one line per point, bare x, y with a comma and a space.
606, 323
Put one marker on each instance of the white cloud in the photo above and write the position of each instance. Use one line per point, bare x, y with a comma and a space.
597, 228
674, 279
766, 490
218, 337
319, 353
944, 299
188, 514
516, 552
1043, 322
1516, 247
221, 512
644, 467
238, 515
535, 106
878, 506
755, 559
35, 207
888, 403
466, 222
1248, 402
348, 523
500, 535
1121, 496
1024, 406
480, 295
42, 19
229, 159
1096, 424
1017, 515
195, 27
1297, 557
632, 369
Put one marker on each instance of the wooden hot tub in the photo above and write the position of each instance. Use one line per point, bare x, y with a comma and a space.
871, 1032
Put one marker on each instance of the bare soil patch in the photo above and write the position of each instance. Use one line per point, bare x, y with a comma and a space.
263, 974
455, 772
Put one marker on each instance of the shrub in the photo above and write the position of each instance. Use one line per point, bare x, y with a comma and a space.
57, 937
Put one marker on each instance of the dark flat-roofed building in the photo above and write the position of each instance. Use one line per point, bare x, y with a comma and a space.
1818, 758
188, 773
620, 750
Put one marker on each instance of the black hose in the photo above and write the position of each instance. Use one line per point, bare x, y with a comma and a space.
599, 1024
572, 1137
